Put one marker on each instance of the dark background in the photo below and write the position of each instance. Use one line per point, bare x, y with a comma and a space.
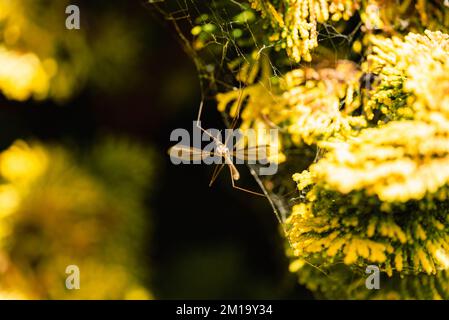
206, 242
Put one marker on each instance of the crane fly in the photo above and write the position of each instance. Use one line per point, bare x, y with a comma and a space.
246, 154
187, 153
252, 153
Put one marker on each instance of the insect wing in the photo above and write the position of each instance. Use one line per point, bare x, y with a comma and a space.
253, 154
188, 153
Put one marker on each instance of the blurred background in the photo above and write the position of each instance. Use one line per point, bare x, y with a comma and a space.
85, 179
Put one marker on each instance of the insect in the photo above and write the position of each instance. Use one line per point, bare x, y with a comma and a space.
226, 154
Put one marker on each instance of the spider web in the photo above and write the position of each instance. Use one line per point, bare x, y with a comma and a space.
221, 36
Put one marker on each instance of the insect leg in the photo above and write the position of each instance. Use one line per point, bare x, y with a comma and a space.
216, 172
243, 189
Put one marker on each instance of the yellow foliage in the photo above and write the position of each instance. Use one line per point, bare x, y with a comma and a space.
55, 212
295, 21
